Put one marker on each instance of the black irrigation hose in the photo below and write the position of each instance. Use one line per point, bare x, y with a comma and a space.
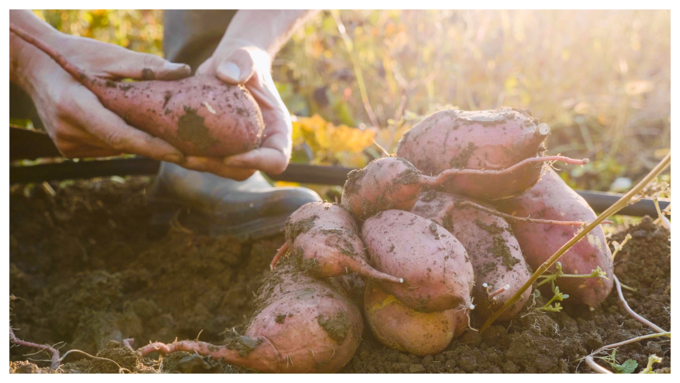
322, 175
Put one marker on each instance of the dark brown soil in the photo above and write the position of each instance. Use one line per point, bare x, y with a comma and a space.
85, 274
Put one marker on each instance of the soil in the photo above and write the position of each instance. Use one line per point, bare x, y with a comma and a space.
86, 276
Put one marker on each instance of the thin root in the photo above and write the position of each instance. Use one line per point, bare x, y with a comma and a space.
499, 292
630, 311
444, 176
279, 253
55, 353
521, 219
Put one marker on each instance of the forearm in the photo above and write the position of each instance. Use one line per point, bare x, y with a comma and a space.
24, 58
267, 29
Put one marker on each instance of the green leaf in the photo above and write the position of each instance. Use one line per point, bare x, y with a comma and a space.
628, 367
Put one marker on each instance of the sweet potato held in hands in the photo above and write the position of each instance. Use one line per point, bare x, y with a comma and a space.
200, 115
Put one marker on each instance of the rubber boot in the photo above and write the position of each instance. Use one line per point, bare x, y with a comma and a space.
207, 204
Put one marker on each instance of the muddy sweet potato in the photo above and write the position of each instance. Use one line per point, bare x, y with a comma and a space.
394, 183
435, 267
400, 327
301, 324
324, 241
384, 184
199, 115
500, 268
552, 198
488, 139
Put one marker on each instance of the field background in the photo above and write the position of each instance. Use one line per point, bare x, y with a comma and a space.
600, 79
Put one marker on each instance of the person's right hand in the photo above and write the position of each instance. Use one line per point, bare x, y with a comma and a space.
77, 122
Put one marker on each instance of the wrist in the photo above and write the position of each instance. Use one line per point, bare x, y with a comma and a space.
28, 63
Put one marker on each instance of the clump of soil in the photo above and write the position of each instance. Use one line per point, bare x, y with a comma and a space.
84, 273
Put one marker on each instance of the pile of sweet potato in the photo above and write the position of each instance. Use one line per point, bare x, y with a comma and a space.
421, 228
418, 245
425, 229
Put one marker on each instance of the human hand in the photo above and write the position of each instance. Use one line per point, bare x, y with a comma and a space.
238, 61
77, 122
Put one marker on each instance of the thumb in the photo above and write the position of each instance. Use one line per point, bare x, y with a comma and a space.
237, 68
143, 66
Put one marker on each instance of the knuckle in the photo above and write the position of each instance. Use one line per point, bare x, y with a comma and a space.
151, 61
116, 140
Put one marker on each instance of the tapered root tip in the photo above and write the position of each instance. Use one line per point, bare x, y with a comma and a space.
282, 250
370, 272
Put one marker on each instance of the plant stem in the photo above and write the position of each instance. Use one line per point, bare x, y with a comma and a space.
355, 64
555, 276
597, 368
620, 204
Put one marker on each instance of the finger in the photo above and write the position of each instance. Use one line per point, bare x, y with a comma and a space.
237, 68
119, 136
143, 66
215, 166
269, 158
206, 68
76, 150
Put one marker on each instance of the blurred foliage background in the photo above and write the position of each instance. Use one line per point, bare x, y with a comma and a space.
600, 79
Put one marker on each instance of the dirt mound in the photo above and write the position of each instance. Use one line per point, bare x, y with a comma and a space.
85, 274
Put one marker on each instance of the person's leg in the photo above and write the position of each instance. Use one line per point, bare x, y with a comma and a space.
245, 210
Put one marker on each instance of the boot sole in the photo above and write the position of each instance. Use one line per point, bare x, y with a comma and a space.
165, 212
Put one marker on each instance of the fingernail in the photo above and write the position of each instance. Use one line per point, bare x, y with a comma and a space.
174, 158
230, 70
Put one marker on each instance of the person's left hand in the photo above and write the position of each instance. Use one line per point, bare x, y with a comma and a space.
237, 61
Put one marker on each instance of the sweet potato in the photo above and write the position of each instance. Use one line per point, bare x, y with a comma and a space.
324, 241
199, 115
394, 183
384, 184
301, 324
435, 267
488, 139
407, 330
500, 268
552, 198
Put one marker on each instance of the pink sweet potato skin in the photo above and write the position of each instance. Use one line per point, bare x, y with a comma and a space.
552, 198
437, 273
199, 115
493, 250
407, 330
490, 139
384, 184
324, 240
296, 313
